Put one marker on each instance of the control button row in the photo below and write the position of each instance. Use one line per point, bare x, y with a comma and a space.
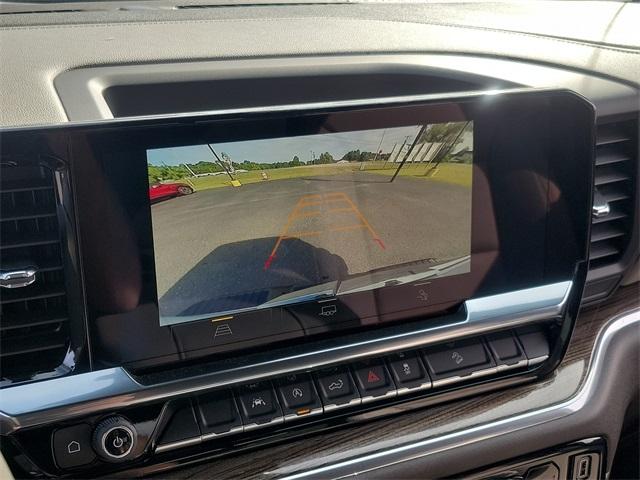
265, 403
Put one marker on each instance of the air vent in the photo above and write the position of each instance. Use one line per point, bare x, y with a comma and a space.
34, 330
616, 161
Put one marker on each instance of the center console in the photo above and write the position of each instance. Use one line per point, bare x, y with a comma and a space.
253, 275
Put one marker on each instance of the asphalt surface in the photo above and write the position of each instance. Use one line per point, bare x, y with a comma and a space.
230, 247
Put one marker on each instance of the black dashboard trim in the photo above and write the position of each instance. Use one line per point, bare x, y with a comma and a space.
111, 389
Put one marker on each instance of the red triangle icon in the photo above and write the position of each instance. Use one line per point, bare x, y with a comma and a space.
372, 377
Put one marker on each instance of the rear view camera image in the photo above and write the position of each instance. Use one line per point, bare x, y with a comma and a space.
255, 224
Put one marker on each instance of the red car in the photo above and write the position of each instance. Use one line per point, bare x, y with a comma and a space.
161, 191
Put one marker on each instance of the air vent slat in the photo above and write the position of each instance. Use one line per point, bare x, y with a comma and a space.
13, 322
608, 135
610, 177
616, 161
614, 215
27, 213
34, 319
24, 186
599, 251
606, 231
41, 238
31, 293
610, 158
611, 197
28, 345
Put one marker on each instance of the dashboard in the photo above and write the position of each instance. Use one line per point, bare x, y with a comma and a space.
319, 240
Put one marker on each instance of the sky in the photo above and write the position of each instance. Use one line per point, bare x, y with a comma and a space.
283, 149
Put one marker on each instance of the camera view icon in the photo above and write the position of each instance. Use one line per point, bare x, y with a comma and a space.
258, 402
222, 331
328, 310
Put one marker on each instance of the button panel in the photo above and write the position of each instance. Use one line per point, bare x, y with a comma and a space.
294, 397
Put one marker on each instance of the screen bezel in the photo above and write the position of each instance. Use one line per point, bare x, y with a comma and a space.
113, 333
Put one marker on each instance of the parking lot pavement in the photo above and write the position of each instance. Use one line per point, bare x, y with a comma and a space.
264, 235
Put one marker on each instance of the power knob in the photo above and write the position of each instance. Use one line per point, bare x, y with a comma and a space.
114, 439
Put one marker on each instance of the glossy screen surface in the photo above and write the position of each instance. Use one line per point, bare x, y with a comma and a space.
250, 225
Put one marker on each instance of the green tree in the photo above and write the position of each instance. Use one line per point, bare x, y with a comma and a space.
325, 158
447, 134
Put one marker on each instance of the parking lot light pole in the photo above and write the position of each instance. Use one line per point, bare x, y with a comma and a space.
415, 141
222, 164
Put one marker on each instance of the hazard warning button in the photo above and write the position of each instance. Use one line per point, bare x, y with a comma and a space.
373, 380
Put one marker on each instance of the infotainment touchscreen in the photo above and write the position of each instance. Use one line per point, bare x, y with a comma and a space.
255, 224
233, 232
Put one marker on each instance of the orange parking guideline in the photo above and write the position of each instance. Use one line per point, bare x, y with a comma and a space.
347, 227
375, 236
301, 234
291, 216
318, 200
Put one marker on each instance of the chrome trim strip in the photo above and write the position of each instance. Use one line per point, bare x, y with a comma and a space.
457, 379
521, 364
601, 207
406, 390
64, 398
254, 426
536, 361
294, 416
211, 436
371, 398
336, 406
480, 433
180, 444
19, 278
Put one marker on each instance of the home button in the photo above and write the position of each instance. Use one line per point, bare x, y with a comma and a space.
72, 446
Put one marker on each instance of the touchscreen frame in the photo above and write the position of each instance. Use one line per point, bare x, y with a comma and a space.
116, 241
